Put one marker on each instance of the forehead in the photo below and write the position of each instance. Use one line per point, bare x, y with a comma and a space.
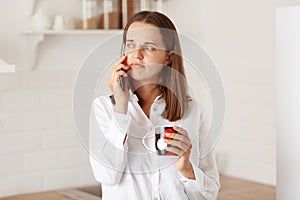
143, 32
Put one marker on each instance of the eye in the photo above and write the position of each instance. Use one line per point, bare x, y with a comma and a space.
149, 48
130, 46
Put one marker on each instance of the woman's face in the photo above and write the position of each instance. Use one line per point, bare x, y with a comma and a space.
145, 50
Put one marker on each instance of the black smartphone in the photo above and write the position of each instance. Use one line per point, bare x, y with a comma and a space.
122, 78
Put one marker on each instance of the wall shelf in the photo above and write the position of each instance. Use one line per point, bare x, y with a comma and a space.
34, 38
6, 68
75, 32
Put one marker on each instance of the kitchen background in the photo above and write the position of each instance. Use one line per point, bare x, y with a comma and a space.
39, 147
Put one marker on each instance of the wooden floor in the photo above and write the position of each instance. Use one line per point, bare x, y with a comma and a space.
231, 189
235, 189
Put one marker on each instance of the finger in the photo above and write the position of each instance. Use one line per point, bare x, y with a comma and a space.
112, 78
180, 130
115, 81
121, 73
119, 64
182, 138
118, 75
121, 60
126, 82
120, 68
111, 82
183, 146
180, 152
178, 136
118, 71
175, 150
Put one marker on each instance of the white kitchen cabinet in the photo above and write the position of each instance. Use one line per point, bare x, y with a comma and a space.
288, 98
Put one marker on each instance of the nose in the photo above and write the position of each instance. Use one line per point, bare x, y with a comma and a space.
138, 53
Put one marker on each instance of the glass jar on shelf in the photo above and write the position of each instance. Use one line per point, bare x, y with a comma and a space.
90, 14
152, 5
111, 15
129, 8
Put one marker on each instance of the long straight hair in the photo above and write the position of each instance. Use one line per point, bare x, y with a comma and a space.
174, 85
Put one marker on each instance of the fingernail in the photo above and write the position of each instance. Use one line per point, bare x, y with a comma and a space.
170, 135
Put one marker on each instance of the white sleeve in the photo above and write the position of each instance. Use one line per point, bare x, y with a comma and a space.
107, 143
207, 185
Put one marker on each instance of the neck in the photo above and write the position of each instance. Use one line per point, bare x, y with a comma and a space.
147, 93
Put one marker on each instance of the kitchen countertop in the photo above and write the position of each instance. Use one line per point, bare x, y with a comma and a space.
232, 189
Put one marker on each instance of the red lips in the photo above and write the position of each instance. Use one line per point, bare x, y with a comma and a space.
136, 65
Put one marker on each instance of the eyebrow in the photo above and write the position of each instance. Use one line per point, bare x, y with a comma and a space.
153, 43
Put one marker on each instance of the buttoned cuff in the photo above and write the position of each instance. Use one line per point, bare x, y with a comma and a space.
191, 184
119, 128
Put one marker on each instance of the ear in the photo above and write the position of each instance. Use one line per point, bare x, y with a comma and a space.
169, 58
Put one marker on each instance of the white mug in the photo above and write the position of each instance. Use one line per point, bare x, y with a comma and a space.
159, 146
59, 23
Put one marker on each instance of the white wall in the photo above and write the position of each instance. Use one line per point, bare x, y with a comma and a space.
37, 137
39, 149
240, 37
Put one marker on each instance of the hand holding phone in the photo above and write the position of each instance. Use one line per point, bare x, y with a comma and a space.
122, 78
120, 65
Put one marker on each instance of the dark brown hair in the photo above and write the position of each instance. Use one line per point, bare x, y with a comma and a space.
174, 87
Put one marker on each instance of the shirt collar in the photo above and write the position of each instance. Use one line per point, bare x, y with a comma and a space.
157, 99
133, 96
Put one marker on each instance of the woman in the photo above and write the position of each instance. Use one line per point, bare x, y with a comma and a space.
154, 95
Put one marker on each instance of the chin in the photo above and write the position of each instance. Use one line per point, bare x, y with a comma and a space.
141, 76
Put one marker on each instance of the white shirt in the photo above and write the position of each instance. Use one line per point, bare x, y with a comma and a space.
131, 171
